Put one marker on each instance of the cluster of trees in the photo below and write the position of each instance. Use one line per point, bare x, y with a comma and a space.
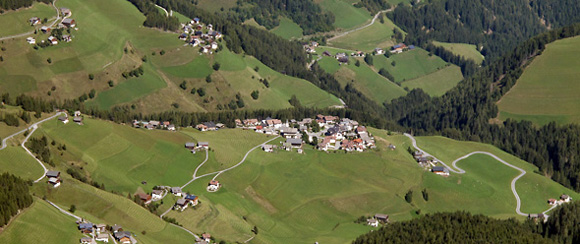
14, 196
134, 73
495, 26
373, 6
16, 4
307, 14
154, 18
464, 112
39, 146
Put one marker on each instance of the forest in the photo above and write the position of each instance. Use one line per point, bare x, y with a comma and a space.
154, 18
495, 26
14, 196
16, 4
562, 226
373, 6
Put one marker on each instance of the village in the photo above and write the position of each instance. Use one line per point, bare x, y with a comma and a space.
56, 33
343, 57
196, 33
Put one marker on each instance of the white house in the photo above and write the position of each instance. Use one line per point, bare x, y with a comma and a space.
373, 222
213, 185
214, 45
102, 237
565, 198
268, 148
156, 194
379, 51
176, 191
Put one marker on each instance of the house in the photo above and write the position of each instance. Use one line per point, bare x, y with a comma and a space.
343, 59
150, 127
220, 125
203, 144
290, 133
326, 143
552, 201
87, 240
360, 130
214, 45
53, 40
379, 51
190, 145
392, 147
268, 148
440, 170
213, 185
31, 40
86, 228
45, 29
210, 27
373, 222
101, 228
102, 237
53, 178
411, 47
565, 198
117, 228
67, 38
78, 120
70, 23
314, 44
383, 218
326, 53
145, 198
171, 127
176, 191
63, 119
195, 21
125, 237
206, 126
183, 36
294, 143
65, 11
156, 194
206, 237
181, 204
340, 55
192, 199
206, 48
34, 21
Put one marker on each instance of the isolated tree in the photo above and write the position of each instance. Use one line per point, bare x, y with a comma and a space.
357, 63
111, 83
193, 91
369, 60
425, 194
91, 76
409, 196
216, 66
183, 85
49, 60
72, 208
255, 94
208, 79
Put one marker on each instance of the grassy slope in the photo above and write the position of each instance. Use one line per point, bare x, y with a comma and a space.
346, 16
16, 22
438, 82
369, 82
367, 39
15, 160
487, 178
466, 50
409, 65
288, 29
547, 90
41, 223
216, 5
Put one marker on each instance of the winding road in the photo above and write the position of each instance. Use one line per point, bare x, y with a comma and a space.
362, 27
32, 32
33, 127
461, 171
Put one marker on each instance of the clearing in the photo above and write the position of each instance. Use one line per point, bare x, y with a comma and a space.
468, 51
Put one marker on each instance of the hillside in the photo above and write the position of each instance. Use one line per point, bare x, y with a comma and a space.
62, 71
547, 90
273, 190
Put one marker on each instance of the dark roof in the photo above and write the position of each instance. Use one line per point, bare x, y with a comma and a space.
117, 227
180, 201
294, 141
87, 226
52, 173
439, 169
190, 197
209, 124
122, 234
68, 21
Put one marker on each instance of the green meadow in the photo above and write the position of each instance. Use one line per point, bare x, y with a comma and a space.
438, 82
377, 35
410, 64
16, 22
345, 14
287, 29
548, 88
216, 5
468, 51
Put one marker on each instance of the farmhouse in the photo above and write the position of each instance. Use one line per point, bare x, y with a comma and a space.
145, 198
70, 23
45, 29
101, 228
190, 145
156, 194
176, 191
102, 237
294, 143
125, 237
203, 144
383, 218
181, 204
78, 120
268, 148
206, 237
86, 228
63, 119
117, 228
34, 21
192, 200
87, 240
565, 198
206, 126
171, 127
67, 38
53, 40
373, 222
290, 133
440, 170
326, 53
552, 201
65, 11
213, 185
31, 40
53, 178
379, 51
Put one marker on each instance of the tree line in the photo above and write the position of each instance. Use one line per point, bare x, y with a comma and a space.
16, 4
14, 196
154, 18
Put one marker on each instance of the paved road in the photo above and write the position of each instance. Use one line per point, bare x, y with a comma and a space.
32, 32
33, 127
461, 171
309, 65
63, 211
164, 10
194, 177
360, 28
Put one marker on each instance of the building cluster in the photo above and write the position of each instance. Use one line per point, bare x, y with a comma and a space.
53, 178
154, 124
194, 147
563, 199
399, 48
204, 239
428, 162
195, 33
100, 233
209, 126
66, 23
378, 219
310, 47
78, 119
332, 133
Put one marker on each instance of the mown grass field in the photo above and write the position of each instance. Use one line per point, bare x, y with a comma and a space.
466, 50
548, 89
287, 29
216, 5
15, 160
41, 223
438, 82
367, 39
410, 64
346, 15
16, 22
